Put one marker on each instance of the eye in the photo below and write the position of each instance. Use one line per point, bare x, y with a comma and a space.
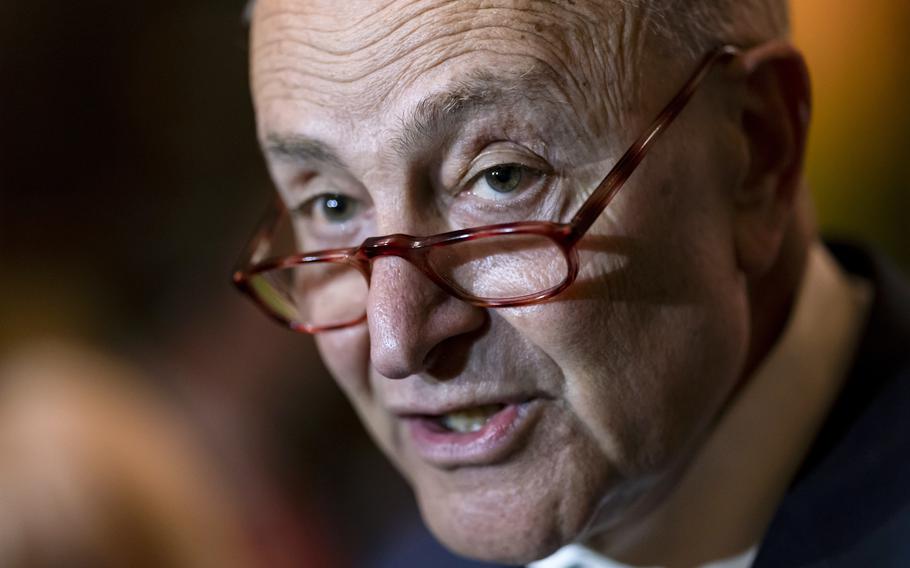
332, 207
328, 210
505, 181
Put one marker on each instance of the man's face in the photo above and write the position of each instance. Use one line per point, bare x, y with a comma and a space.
521, 428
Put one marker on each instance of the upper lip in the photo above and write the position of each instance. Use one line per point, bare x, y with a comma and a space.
449, 406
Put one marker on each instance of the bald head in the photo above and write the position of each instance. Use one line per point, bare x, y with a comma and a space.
695, 25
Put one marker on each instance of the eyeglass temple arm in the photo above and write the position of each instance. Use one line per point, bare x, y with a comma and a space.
614, 180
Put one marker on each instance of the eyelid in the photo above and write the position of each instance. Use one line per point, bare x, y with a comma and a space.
505, 155
304, 204
299, 189
311, 185
306, 207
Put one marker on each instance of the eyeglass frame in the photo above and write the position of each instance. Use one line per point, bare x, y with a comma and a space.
416, 249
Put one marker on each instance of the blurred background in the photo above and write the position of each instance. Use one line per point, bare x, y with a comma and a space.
129, 180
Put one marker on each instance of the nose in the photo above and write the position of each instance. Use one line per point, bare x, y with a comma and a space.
408, 315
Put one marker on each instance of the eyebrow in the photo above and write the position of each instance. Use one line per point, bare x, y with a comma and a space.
435, 116
444, 112
298, 148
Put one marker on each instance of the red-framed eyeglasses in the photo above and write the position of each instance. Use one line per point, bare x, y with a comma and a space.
496, 266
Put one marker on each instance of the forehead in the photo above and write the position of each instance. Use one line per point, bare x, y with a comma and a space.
357, 59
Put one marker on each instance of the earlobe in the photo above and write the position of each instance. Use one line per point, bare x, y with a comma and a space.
774, 118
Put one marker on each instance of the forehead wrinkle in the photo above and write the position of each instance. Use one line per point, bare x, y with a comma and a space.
420, 17
298, 37
628, 53
359, 38
285, 8
568, 35
354, 46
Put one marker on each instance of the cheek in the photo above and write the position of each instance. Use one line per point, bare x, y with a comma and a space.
346, 354
647, 385
650, 343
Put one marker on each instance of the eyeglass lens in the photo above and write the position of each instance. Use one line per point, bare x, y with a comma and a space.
496, 267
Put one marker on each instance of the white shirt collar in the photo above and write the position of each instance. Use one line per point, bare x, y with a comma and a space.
578, 556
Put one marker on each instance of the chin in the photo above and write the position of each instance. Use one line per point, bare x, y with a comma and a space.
492, 532
491, 516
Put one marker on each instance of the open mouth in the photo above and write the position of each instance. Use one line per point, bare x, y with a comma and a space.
472, 435
468, 420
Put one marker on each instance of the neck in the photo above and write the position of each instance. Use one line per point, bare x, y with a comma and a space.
727, 495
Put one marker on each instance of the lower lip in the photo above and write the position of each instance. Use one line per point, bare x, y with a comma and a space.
500, 436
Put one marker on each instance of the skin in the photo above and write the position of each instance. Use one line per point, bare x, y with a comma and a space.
635, 363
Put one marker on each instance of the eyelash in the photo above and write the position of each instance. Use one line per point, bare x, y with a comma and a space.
530, 187
537, 179
307, 207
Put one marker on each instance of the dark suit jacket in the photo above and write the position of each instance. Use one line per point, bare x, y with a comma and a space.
849, 506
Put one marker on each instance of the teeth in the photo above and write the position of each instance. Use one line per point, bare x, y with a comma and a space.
470, 420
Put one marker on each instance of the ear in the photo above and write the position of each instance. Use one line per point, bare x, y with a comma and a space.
774, 115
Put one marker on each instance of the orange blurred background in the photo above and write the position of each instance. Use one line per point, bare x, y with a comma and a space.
858, 162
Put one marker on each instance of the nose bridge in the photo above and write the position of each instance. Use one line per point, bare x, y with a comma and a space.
399, 303
408, 315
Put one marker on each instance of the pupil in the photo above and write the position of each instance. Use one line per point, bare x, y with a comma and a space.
336, 207
504, 179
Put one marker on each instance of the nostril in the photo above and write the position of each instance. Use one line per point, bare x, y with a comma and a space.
410, 318
448, 358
